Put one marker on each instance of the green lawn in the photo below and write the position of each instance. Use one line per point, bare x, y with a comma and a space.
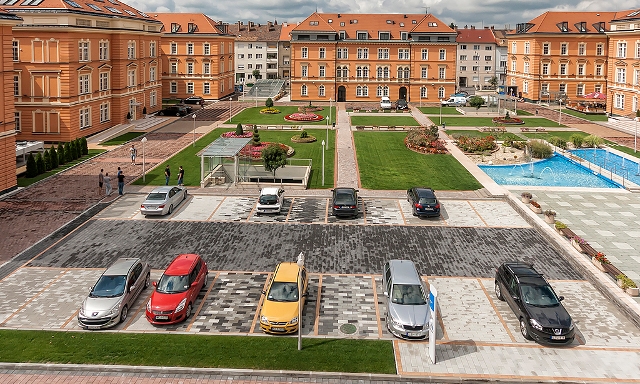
26, 181
436, 111
191, 163
253, 116
522, 112
123, 138
547, 135
486, 122
585, 116
384, 120
497, 135
171, 350
385, 163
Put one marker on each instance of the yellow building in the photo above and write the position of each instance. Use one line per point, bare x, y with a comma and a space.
197, 56
362, 57
624, 63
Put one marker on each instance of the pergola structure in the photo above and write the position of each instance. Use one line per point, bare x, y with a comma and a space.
216, 153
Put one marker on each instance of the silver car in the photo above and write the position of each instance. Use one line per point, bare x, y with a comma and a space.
113, 294
407, 301
163, 200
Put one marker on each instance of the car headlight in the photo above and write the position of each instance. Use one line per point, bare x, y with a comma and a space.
294, 320
82, 313
395, 322
264, 320
180, 306
535, 324
571, 325
114, 310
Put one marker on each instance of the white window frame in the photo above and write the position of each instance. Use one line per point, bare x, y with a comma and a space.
173, 49
84, 84
104, 81
103, 50
173, 87
191, 88
83, 51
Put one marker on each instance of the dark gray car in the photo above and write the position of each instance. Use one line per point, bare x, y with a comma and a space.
407, 301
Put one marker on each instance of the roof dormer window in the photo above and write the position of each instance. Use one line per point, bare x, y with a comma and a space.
175, 27
563, 27
314, 22
600, 27
362, 36
192, 28
581, 26
384, 36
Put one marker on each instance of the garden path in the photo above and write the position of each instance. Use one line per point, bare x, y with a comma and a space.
347, 174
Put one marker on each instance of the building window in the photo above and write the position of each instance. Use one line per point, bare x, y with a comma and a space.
206, 88
131, 78
321, 91
580, 69
249, 55
403, 54
303, 90
562, 88
83, 50
321, 71
362, 91
423, 92
563, 69
476, 57
190, 88
564, 49
599, 50
383, 53
636, 77
598, 69
174, 67
525, 86
475, 68
189, 68
343, 53
16, 50
441, 73
443, 54
16, 85
305, 52
104, 50
463, 57
222, 48
544, 88
152, 73
16, 118
619, 101
131, 50
84, 85
85, 117
363, 53
189, 48
545, 68
104, 81
622, 50
463, 46
638, 50
206, 68
104, 112
513, 47
206, 49
424, 54
527, 47
173, 88
545, 49
513, 66
441, 93
153, 98
304, 71
488, 58
526, 67
322, 53
258, 55
580, 90
621, 75
463, 68
174, 48
152, 49
582, 49
423, 72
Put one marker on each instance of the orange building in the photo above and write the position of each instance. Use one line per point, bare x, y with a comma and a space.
7, 125
82, 68
559, 55
362, 57
624, 63
197, 56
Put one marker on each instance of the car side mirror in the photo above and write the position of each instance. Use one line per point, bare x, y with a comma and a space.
357, 191
155, 283
264, 292
560, 298
385, 293
516, 298
131, 288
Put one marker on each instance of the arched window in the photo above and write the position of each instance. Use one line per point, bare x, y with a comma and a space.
379, 91
441, 93
379, 72
359, 72
423, 92
406, 72
386, 72
385, 91
303, 90
358, 91
365, 71
321, 90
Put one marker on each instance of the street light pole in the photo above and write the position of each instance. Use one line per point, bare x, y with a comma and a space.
323, 163
144, 140
194, 129
329, 123
230, 97
635, 137
560, 117
440, 111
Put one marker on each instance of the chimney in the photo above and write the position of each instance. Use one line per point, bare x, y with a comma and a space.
239, 25
250, 25
338, 15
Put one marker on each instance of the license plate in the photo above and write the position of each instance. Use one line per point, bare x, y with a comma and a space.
557, 337
414, 334
93, 327
277, 329
428, 209
162, 317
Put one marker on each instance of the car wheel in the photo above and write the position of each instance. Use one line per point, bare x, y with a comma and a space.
170, 208
499, 292
147, 281
123, 314
524, 330
160, 113
185, 195
188, 313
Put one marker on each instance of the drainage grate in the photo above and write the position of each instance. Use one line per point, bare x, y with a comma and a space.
348, 329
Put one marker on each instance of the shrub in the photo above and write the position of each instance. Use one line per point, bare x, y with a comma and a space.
476, 102
54, 157
239, 130
271, 111
32, 168
519, 144
535, 203
47, 160
576, 140
68, 154
626, 282
549, 212
476, 144
540, 149
304, 134
560, 225
84, 146
268, 103
62, 157
256, 137
558, 142
40, 163
593, 141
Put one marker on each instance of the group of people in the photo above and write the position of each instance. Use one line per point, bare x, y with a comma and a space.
167, 175
104, 180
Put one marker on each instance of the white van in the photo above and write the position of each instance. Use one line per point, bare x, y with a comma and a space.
454, 101
385, 103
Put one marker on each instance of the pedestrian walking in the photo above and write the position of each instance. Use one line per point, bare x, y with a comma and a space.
134, 153
180, 176
120, 182
167, 174
107, 184
100, 182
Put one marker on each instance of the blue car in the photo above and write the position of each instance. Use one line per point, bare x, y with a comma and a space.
423, 202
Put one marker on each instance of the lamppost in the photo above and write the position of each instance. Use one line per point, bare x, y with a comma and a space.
560, 117
635, 136
323, 162
230, 97
420, 97
194, 129
329, 122
257, 88
440, 111
144, 140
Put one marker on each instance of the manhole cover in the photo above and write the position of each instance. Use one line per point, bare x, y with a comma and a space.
348, 329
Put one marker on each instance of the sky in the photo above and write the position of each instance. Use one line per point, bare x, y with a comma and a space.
479, 13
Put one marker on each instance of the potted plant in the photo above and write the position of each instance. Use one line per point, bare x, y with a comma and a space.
550, 216
628, 285
600, 259
559, 225
535, 207
576, 241
526, 197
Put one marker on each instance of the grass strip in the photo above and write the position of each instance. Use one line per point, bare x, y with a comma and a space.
118, 140
384, 120
211, 351
472, 133
24, 181
585, 116
253, 116
487, 122
437, 110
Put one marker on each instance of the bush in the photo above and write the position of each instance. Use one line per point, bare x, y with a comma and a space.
558, 142
304, 134
32, 168
476, 144
268, 103
560, 225
540, 150
54, 157
576, 140
593, 141
62, 157
239, 130
256, 137
519, 144
40, 163
476, 102
84, 146
68, 153
47, 160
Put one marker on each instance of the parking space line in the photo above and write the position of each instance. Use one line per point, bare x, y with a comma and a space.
375, 302
398, 359
195, 314
255, 317
217, 207
316, 325
445, 336
364, 213
70, 319
504, 323
182, 205
293, 199
476, 212
404, 220
130, 319
40, 292
253, 208
326, 211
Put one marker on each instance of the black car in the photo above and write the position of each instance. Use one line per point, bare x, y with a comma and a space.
197, 100
174, 110
541, 315
344, 202
401, 104
423, 202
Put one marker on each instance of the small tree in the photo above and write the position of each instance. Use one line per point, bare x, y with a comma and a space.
54, 157
32, 168
476, 101
74, 149
256, 74
256, 137
494, 82
274, 157
84, 145
239, 131
68, 153
39, 163
593, 141
47, 160
638, 112
576, 140
62, 157
268, 103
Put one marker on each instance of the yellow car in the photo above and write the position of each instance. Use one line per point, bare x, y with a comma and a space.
280, 309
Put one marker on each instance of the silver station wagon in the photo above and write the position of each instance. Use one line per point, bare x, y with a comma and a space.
407, 301
114, 293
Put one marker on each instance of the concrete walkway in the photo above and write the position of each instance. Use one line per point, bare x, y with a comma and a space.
346, 163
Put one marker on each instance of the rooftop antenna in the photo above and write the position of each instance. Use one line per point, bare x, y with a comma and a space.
427, 10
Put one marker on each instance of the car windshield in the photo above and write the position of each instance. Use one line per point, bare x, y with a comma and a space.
281, 291
539, 295
407, 294
268, 199
173, 284
427, 200
157, 196
109, 286
344, 199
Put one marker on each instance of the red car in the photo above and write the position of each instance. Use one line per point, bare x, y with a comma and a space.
173, 297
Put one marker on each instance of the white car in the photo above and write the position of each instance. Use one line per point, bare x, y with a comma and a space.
162, 200
385, 103
271, 200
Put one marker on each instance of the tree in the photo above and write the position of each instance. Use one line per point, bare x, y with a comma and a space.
68, 154
47, 160
476, 101
32, 168
39, 163
54, 157
62, 157
593, 141
84, 145
256, 74
274, 157
494, 82
268, 103
256, 137
239, 131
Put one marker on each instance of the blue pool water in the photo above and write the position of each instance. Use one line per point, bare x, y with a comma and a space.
556, 171
612, 162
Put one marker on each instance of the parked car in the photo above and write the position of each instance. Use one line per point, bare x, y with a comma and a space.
162, 200
174, 110
271, 200
344, 202
423, 202
114, 293
454, 101
177, 290
280, 309
197, 100
189, 108
385, 103
407, 300
540, 313
401, 104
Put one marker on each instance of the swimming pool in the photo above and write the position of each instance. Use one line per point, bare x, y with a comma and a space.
556, 171
610, 161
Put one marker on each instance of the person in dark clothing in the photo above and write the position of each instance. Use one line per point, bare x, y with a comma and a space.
167, 174
180, 176
120, 182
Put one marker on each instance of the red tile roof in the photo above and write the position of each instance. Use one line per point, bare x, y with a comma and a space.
285, 32
632, 14
549, 22
107, 8
255, 32
204, 24
472, 35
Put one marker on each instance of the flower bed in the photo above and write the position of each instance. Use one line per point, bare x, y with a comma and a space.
255, 151
476, 144
508, 121
425, 140
308, 139
232, 135
299, 116
269, 111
